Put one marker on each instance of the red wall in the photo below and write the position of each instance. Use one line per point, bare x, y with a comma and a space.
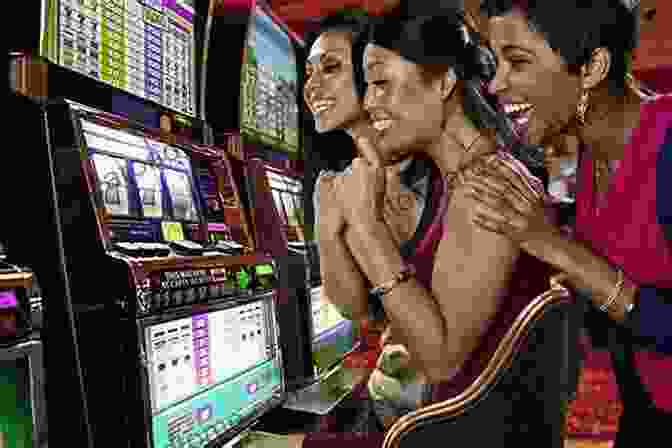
655, 48
652, 62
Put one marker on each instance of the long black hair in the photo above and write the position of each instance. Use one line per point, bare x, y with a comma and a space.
356, 22
439, 39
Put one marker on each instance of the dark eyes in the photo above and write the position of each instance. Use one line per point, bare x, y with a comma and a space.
516, 63
378, 82
329, 68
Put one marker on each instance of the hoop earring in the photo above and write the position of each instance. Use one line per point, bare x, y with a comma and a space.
582, 107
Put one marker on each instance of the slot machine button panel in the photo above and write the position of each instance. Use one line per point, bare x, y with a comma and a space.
177, 297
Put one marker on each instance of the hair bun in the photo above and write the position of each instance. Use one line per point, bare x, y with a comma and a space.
442, 38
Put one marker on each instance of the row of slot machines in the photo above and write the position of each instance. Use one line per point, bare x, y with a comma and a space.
181, 303
23, 414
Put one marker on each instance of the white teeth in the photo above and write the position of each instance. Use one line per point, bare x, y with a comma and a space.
381, 125
511, 108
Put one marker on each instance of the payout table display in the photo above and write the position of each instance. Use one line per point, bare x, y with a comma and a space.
210, 371
144, 47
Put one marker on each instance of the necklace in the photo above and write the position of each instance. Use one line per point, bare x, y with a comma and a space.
603, 170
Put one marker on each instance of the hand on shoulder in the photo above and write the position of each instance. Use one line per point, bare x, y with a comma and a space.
507, 198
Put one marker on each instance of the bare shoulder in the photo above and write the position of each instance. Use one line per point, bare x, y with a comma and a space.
469, 257
462, 238
472, 272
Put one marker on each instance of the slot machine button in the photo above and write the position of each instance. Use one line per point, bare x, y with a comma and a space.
165, 299
191, 295
154, 301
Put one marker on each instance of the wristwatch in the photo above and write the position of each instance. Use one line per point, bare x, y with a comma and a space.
631, 310
406, 273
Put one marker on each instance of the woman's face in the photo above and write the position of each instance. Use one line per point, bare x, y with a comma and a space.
406, 111
329, 91
532, 82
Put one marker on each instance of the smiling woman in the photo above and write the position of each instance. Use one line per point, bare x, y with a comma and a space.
333, 93
620, 260
334, 77
447, 294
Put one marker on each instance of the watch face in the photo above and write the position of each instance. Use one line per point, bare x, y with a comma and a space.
629, 307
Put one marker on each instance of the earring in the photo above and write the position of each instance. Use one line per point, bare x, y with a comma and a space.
582, 107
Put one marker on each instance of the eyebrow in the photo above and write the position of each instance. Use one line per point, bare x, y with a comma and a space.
323, 55
371, 64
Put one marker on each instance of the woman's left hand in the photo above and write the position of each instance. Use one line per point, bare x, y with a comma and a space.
505, 205
362, 192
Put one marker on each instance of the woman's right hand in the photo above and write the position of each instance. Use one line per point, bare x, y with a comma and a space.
331, 217
393, 371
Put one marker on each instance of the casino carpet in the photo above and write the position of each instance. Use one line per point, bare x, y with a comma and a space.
594, 414
592, 420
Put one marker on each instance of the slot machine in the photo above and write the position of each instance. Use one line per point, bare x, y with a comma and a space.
255, 114
161, 327
172, 328
266, 126
23, 419
321, 338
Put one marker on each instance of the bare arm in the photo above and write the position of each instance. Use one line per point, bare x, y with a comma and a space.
344, 285
584, 269
343, 282
472, 269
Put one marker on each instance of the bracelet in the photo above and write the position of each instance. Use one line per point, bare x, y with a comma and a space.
406, 273
618, 288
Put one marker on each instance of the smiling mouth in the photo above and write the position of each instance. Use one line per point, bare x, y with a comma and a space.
381, 125
519, 113
321, 106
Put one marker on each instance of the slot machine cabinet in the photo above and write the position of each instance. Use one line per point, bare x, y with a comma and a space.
132, 232
24, 418
251, 84
227, 221
23, 405
252, 78
32, 238
275, 236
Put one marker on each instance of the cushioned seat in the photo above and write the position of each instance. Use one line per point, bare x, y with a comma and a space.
519, 397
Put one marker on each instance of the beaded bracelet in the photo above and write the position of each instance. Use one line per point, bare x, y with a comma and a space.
618, 288
406, 273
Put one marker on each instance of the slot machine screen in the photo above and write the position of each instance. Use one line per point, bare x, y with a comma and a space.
333, 336
269, 87
22, 413
179, 186
209, 192
148, 179
287, 195
8, 311
222, 208
113, 180
142, 179
144, 47
211, 373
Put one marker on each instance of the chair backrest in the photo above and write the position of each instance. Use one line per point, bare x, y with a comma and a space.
520, 396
